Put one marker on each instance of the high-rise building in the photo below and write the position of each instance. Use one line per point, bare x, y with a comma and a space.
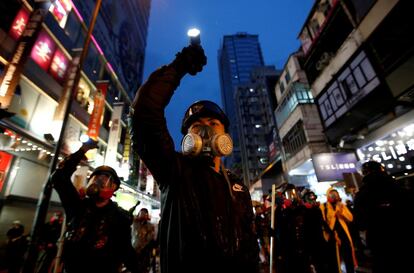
257, 126
238, 55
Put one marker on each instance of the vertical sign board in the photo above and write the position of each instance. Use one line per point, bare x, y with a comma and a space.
98, 108
113, 139
332, 166
12, 72
5, 160
70, 79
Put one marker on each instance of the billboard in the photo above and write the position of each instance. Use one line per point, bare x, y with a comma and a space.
332, 166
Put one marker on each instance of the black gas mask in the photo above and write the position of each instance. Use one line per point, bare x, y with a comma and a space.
203, 141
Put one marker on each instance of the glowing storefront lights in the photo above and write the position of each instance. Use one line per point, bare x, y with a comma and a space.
394, 151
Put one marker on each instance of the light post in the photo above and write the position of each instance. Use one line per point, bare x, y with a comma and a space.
44, 198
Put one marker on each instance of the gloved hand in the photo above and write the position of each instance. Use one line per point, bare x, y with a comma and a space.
190, 59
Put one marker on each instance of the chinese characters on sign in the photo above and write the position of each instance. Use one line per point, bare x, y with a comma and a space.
19, 24
59, 66
43, 50
11, 75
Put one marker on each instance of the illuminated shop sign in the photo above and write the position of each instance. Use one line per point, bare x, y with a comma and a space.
331, 166
59, 65
19, 24
356, 81
60, 10
395, 151
43, 50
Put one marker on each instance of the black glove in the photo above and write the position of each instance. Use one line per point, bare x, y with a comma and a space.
190, 60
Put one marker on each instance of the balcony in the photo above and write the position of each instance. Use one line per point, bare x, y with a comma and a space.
321, 42
298, 93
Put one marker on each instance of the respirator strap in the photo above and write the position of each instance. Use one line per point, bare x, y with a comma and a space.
224, 171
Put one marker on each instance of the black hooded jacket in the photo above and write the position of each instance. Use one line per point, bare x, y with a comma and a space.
206, 224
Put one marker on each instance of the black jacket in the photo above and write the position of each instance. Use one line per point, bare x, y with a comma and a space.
97, 239
203, 228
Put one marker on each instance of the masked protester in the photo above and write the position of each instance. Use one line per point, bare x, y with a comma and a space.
207, 219
336, 216
291, 247
316, 246
98, 236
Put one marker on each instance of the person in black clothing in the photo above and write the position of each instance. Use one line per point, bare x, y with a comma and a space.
98, 233
207, 219
315, 244
296, 234
48, 243
383, 210
16, 247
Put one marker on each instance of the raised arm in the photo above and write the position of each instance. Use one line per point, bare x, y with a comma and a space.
62, 183
150, 136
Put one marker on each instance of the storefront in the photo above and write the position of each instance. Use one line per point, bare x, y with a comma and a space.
392, 145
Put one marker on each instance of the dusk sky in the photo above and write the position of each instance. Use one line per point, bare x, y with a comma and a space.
276, 22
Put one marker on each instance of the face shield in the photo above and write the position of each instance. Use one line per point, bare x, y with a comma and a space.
101, 185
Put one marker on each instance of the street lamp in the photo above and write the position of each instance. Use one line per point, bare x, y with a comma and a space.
194, 35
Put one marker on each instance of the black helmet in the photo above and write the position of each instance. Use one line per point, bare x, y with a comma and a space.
107, 170
203, 108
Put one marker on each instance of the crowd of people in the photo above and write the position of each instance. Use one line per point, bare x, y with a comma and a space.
208, 223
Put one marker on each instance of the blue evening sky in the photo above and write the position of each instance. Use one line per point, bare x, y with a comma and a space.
276, 22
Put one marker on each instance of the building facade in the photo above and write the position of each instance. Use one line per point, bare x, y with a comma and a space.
110, 76
359, 60
298, 122
238, 55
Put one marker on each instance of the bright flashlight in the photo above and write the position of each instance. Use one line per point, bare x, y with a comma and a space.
194, 35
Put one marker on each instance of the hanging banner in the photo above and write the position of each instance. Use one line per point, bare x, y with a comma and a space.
114, 132
12, 72
98, 108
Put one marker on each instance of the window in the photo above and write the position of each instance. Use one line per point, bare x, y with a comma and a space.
282, 87
294, 140
353, 83
287, 77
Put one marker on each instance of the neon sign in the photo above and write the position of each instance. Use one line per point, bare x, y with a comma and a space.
19, 24
43, 50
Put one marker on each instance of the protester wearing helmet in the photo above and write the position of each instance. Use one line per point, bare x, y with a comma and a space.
207, 219
98, 235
